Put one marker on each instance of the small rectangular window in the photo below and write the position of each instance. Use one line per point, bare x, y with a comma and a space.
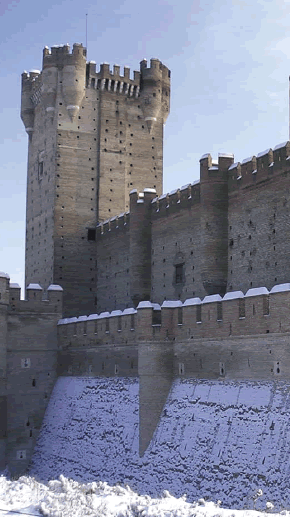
91, 234
219, 311
179, 273
181, 368
180, 315
116, 369
242, 309
119, 323
132, 321
40, 170
198, 313
266, 305
107, 325
156, 317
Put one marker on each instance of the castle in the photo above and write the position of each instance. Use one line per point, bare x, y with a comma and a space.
212, 256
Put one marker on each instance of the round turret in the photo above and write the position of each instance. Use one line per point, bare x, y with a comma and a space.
70, 69
27, 108
49, 85
152, 91
73, 82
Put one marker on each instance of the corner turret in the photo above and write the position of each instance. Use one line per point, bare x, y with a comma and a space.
71, 70
27, 106
154, 91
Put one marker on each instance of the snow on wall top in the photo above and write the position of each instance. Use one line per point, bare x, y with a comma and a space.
257, 291
115, 313
212, 299
14, 285
55, 288
144, 304
233, 295
226, 155
129, 311
279, 146
262, 153
4, 275
233, 166
193, 301
171, 304
82, 318
91, 317
284, 287
33, 286
149, 190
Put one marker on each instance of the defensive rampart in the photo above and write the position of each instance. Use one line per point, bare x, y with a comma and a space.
235, 337
28, 353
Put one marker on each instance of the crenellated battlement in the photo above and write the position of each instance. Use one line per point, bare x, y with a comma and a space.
178, 199
236, 314
35, 302
266, 165
60, 54
114, 224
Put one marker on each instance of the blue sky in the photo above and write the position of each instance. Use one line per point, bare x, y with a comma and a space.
229, 62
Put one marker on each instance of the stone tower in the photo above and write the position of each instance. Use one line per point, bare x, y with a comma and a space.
93, 137
214, 222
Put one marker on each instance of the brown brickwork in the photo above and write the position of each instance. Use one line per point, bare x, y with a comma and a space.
93, 137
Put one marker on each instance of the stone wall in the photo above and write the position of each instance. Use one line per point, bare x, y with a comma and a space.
31, 348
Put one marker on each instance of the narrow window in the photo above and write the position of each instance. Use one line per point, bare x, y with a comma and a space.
242, 309
132, 321
266, 305
222, 369
40, 170
116, 369
219, 311
107, 325
181, 368
179, 273
198, 313
180, 316
119, 323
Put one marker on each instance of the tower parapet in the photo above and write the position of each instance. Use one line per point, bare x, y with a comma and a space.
70, 70
155, 91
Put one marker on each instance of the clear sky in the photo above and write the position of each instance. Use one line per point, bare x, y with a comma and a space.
229, 62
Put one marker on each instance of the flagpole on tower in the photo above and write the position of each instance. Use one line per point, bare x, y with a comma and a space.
87, 32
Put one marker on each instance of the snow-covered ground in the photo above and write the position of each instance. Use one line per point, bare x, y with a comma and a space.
215, 440
65, 497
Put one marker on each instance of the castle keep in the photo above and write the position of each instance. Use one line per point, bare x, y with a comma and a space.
93, 137
97, 221
122, 280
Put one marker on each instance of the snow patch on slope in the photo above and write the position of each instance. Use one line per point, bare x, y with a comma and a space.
216, 439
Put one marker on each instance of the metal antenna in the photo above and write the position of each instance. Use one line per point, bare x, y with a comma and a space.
87, 32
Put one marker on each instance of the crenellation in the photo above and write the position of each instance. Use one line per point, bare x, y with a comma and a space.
212, 316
